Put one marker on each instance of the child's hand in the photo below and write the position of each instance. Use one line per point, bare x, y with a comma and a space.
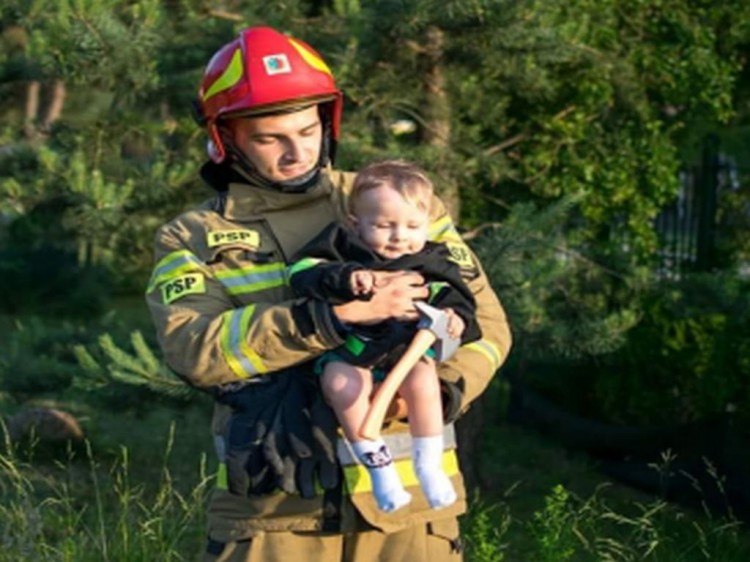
456, 324
383, 277
362, 282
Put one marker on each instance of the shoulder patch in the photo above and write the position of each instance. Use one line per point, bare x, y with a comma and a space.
250, 238
190, 284
460, 255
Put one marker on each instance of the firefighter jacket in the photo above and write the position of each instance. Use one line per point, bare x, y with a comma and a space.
224, 313
324, 272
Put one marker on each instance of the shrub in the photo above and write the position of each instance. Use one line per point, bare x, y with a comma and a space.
688, 357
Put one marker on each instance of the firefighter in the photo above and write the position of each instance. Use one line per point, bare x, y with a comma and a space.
288, 486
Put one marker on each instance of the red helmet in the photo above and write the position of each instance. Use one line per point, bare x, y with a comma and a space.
260, 72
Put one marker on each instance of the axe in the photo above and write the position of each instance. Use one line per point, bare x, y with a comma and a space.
432, 328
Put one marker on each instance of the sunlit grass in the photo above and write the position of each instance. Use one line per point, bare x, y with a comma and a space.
144, 500
82, 510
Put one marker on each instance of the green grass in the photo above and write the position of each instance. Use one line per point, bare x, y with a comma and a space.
538, 502
139, 504
137, 492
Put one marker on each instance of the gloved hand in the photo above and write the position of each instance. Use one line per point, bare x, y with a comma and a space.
451, 395
255, 406
301, 444
281, 435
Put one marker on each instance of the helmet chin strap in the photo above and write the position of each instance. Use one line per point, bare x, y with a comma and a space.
295, 185
300, 184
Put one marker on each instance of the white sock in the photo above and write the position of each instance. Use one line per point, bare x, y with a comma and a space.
427, 455
386, 485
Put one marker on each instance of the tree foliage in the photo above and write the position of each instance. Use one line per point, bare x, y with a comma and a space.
568, 120
528, 100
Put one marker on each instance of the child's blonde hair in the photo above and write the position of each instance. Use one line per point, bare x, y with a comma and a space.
406, 178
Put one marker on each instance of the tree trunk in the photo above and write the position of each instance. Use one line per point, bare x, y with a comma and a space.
35, 128
31, 110
55, 107
437, 126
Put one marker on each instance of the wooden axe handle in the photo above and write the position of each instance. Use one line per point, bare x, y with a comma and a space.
422, 341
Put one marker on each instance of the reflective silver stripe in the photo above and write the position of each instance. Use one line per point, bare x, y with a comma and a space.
243, 360
399, 445
220, 447
253, 278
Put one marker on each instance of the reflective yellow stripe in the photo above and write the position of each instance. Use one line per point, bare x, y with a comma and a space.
399, 444
174, 265
243, 361
253, 278
442, 230
229, 77
303, 265
221, 477
310, 57
358, 480
488, 349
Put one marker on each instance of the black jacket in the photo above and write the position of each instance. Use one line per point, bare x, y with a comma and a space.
342, 253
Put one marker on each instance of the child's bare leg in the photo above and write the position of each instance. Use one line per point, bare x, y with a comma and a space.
347, 389
421, 391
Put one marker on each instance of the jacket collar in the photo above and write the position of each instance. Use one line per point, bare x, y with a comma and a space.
245, 200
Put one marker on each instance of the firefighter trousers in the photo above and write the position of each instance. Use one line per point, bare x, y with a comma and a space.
437, 541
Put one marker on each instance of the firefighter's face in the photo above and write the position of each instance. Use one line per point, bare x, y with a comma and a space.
281, 147
388, 223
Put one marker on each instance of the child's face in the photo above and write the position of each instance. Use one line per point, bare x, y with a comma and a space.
390, 225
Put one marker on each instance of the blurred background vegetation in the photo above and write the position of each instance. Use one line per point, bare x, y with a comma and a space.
594, 153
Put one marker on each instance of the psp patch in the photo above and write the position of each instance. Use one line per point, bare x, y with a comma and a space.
249, 238
190, 284
460, 255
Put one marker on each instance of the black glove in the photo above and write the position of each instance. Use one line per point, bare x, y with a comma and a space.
255, 406
452, 397
301, 444
281, 435
325, 464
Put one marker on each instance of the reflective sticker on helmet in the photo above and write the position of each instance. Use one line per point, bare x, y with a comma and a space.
277, 64
310, 58
222, 237
190, 284
231, 76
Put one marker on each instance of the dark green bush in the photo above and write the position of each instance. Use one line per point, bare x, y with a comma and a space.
50, 282
688, 357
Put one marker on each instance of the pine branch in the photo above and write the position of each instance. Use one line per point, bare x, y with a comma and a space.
141, 369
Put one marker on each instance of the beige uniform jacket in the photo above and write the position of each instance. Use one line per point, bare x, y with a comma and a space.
224, 312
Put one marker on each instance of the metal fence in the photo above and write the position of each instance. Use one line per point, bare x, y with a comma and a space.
688, 228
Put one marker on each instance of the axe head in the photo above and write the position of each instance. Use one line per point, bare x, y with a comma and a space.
435, 320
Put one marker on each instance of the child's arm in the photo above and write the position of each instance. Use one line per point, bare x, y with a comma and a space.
329, 268
332, 282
